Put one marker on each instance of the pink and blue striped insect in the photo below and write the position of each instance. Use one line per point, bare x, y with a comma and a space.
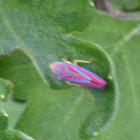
77, 75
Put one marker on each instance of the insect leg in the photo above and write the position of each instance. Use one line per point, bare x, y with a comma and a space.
59, 78
69, 83
82, 61
65, 60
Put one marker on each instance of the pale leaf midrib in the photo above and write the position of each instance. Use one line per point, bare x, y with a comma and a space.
117, 47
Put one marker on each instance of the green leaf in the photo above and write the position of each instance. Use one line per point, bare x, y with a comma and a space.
69, 113
6, 87
42, 38
10, 134
120, 38
3, 121
60, 107
16, 135
14, 110
65, 15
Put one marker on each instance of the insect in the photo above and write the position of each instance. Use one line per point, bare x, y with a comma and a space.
78, 75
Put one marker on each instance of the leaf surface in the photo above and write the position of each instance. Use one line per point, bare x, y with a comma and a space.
10, 134
35, 35
120, 38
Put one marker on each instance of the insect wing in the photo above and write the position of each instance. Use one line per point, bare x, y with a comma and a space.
77, 75
82, 76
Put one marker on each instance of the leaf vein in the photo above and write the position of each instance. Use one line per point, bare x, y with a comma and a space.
135, 31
